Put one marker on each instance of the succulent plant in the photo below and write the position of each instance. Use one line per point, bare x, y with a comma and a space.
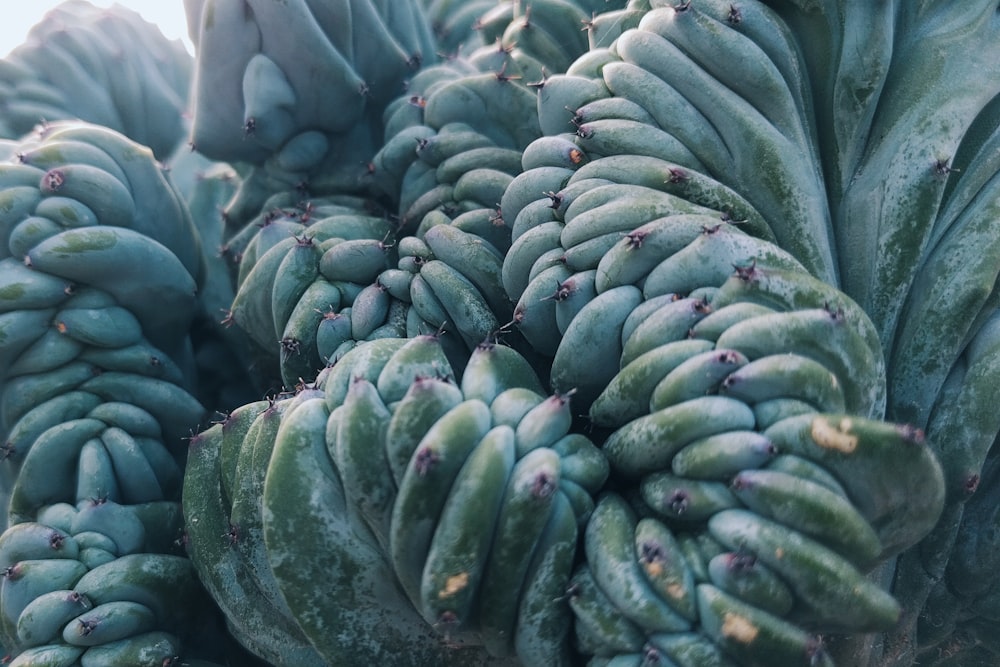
549, 332
107, 67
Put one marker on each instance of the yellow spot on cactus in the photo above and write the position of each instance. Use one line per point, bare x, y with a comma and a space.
830, 436
454, 584
739, 628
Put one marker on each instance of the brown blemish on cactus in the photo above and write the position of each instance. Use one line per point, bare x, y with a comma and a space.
831, 436
740, 628
454, 584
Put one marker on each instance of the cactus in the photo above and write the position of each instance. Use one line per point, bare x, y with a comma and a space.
97, 397
556, 332
259, 104
414, 492
108, 67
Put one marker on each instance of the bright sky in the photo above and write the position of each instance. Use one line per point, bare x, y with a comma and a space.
18, 17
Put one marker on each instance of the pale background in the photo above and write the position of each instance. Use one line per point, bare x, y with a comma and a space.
19, 16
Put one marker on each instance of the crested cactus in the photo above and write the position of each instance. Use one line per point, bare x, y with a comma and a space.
95, 582
548, 332
466, 490
96, 399
108, 67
